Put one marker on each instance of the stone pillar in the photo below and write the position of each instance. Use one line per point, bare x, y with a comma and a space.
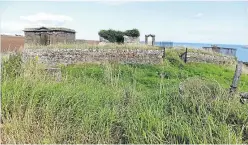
146, 39
153, 40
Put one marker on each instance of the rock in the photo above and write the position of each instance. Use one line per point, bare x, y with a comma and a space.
244, 97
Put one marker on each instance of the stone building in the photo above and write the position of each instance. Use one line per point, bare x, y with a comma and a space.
46, 36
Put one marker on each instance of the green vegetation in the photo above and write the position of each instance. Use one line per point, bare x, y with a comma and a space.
132, 33
118, 36
117, 103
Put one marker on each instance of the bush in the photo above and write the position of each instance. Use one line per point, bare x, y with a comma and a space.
132, 33
12, 67
173, 58
118, 36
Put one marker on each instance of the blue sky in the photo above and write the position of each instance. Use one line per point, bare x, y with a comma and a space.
209, 21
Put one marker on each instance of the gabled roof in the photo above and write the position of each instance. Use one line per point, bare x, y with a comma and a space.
42, 29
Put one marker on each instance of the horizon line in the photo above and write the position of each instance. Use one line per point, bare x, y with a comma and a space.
219, 43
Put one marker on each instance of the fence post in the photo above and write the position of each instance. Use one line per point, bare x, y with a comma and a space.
236, 77
163, 52
186, 55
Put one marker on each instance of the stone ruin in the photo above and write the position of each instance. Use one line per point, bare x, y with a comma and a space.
153, 39
127, 40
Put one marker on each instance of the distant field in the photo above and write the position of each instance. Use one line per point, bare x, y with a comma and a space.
11, 43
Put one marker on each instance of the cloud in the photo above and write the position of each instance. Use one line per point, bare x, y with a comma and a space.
121, 2
198, 15
46, 19
113, 3
35, 20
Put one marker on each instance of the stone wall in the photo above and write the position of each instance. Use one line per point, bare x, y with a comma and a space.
128, 39
101, 39
53, 57
208, 58
52, 37
83, 41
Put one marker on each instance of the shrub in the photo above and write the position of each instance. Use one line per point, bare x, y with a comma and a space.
118, 36
173, 58
12, 67
132, 33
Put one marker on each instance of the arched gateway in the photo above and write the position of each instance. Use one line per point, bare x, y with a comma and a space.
153, 39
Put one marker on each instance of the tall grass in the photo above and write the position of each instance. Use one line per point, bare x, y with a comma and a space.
116, 103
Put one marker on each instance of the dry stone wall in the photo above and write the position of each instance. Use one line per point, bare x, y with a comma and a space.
53, 57
208, 58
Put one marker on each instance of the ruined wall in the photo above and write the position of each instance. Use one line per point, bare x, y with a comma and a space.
140, 56
70, 37
31, 38
128, 39
101, 39
208, 58
53, 37
63, 37
71, 56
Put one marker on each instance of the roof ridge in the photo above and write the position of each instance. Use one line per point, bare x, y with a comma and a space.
50, 28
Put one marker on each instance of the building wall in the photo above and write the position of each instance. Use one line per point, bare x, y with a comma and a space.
30, 37
53, 37
128, 39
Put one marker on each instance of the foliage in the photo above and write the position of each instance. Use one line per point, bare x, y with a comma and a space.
132, 33
12, 66
117, 36
174, 57
112, 35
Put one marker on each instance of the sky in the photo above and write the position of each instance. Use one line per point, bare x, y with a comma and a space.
177, 21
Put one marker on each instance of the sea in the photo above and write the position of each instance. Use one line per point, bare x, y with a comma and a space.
241, 53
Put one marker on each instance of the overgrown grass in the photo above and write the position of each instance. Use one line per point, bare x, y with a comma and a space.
114, 103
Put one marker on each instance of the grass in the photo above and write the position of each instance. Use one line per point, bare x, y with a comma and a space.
117, 103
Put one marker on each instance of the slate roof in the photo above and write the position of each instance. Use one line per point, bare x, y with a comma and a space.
42, 29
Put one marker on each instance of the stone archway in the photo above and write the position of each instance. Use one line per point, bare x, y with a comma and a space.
153, 39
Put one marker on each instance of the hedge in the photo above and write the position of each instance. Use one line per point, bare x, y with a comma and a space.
118, 36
